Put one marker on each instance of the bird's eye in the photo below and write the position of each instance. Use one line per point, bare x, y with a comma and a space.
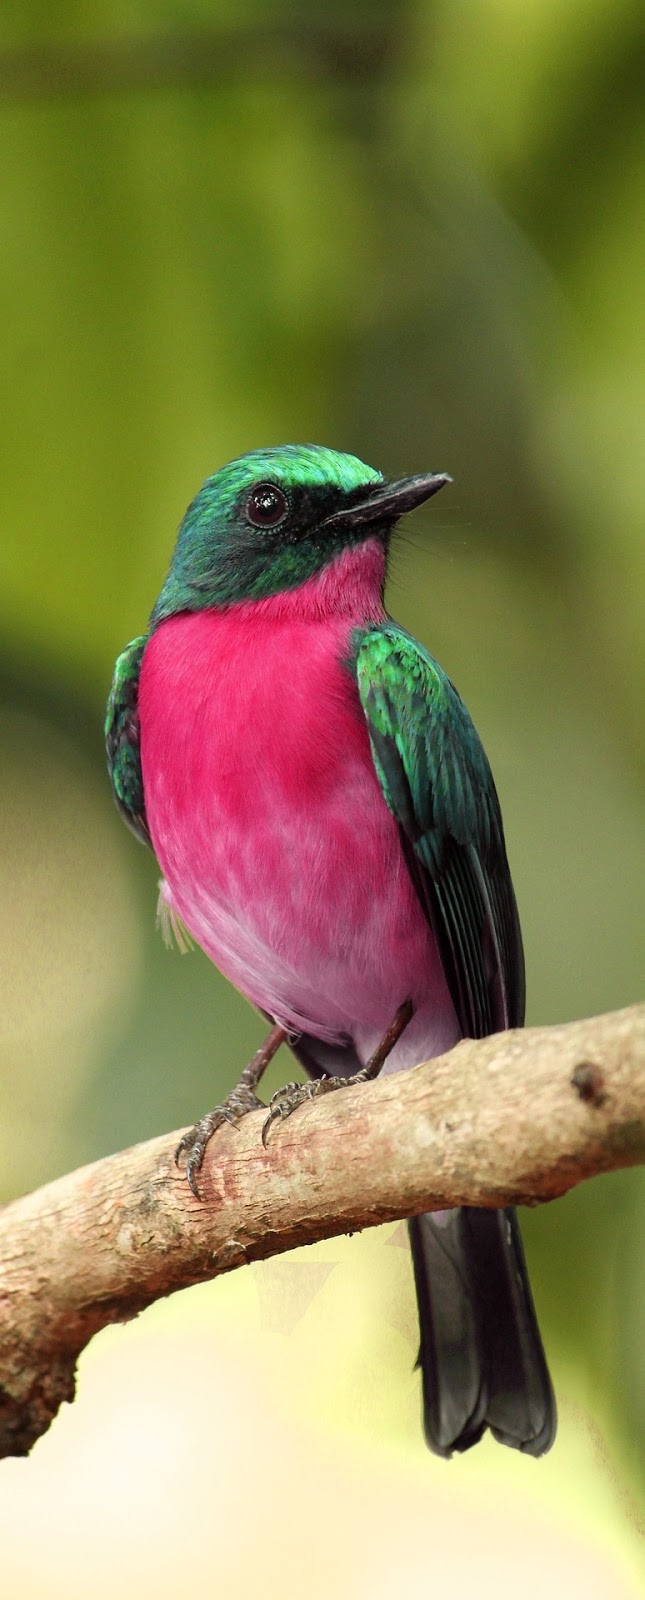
266, 506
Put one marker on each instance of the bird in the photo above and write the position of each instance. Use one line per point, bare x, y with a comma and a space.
329, 832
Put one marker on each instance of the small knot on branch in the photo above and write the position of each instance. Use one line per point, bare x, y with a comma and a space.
588, 1079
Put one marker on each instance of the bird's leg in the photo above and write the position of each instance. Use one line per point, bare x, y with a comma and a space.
237, 1104
293, 1095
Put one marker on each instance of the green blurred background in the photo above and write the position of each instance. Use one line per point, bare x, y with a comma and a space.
414, 231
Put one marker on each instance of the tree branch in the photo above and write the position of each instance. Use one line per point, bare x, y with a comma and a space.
514, 1119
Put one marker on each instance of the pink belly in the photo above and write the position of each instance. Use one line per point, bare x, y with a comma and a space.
276, 844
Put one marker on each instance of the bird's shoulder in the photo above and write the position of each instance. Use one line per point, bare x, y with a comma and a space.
426, 748
122, 738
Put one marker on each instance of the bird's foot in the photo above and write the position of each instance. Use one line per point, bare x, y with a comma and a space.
286, 1100
237, 1104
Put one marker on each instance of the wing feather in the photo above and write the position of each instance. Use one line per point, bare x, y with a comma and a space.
438, 784
122, 739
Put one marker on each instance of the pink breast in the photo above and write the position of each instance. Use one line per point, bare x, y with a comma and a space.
268, 821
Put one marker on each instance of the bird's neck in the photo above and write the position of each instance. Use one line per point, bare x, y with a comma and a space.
350, 587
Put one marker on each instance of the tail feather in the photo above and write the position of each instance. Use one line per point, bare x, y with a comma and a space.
481, 1355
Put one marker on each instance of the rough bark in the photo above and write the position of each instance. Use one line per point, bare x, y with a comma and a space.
515, 1119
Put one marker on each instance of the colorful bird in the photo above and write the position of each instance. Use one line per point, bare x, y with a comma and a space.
328, 830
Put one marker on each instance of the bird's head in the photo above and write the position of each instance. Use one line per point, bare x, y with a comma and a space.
273, 519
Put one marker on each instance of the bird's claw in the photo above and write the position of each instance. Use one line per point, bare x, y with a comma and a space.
193, 1144
286, 1100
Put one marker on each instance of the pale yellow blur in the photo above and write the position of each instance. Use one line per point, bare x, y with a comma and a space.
261, 1435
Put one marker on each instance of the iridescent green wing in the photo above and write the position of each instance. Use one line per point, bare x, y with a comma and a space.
122, 739
437, 783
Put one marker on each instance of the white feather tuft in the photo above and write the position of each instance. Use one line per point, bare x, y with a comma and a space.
173, 929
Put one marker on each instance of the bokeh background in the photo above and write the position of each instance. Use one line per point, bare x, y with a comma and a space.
413, 230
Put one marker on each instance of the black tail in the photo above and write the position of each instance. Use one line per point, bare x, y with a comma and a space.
481, 1356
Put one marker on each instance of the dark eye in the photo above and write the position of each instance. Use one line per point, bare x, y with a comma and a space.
266, 506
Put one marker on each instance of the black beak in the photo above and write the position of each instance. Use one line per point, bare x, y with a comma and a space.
388, 501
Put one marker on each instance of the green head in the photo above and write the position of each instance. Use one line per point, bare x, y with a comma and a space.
274, 518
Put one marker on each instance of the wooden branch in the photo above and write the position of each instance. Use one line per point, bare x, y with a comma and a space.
514, 1119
